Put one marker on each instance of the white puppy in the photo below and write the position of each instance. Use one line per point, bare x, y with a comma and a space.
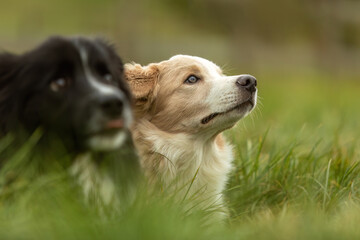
181, 107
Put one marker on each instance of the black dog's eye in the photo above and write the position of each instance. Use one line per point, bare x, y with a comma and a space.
104, 72
192, 79
108, 77
60, 84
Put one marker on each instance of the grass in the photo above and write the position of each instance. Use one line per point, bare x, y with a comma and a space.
296, 176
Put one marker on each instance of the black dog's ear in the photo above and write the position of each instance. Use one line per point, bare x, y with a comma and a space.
8, 72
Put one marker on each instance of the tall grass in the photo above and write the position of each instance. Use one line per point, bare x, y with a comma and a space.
296, 176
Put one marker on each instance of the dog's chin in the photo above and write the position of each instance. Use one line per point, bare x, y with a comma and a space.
243, 109
104, 142
232, 114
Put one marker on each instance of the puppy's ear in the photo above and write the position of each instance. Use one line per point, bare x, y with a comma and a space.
142, 81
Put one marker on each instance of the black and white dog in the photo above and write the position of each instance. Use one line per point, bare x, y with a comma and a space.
74, 90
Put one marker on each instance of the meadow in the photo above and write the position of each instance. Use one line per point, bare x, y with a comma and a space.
296, 176
296, 172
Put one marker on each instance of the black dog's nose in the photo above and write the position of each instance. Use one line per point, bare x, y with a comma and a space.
248, 82
112, 106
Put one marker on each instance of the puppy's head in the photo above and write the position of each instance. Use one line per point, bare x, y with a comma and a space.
190, 94
71, 87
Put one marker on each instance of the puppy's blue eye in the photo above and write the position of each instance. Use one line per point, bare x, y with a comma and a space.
192, 79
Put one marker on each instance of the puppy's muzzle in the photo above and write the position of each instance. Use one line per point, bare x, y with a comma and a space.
247, 82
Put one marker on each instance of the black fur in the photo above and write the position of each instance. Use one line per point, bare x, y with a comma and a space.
26, 101
68, 117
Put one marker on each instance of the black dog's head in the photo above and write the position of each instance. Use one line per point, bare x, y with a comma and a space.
71, 87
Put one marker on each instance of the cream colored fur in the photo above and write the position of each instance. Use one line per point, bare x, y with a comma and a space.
176, 149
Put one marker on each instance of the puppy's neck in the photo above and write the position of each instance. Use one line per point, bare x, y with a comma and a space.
171, 155
184, 141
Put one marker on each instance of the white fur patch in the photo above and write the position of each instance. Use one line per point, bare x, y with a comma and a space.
107, 143
189, 159
98, 85
95, 184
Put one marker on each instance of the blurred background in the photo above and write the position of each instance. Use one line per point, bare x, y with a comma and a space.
249, 36
304, 53
300, 145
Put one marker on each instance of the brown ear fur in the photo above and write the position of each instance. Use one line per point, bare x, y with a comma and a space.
142, 82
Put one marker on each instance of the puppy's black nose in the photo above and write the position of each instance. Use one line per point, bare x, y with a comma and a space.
112, 106
248, 82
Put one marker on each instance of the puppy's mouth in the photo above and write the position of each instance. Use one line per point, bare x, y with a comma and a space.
110, 128
115, 124
207, 119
